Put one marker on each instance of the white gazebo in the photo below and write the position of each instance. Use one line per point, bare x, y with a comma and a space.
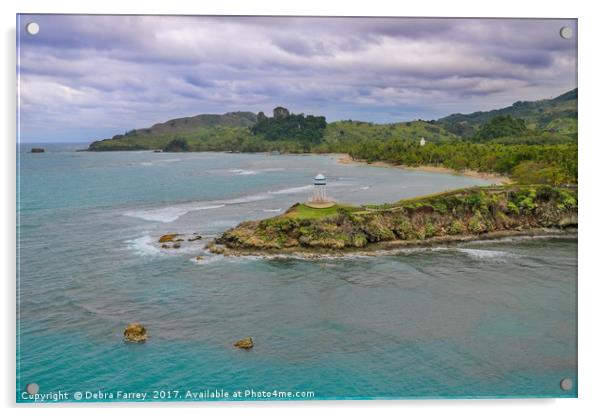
318, 198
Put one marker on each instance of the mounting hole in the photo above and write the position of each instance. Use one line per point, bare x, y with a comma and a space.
32, 388
566, 32
566, 384
32, 28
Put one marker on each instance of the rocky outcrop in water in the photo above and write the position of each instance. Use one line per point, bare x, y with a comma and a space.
174, 240
168, 238
37, 150
245, 343
135, 332
195, 236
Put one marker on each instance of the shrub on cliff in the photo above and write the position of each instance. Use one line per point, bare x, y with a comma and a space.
541, 173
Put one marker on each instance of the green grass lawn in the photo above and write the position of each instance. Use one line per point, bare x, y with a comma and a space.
302, 211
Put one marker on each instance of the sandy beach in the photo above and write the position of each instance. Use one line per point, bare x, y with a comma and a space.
345, 159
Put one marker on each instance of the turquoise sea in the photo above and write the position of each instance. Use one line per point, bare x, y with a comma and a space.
484, 319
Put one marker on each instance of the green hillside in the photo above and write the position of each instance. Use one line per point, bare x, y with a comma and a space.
551, 121
557, 115
201, 128
533, 142
349, 132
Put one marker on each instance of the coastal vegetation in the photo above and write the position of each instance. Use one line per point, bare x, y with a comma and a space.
444, 217
177, 145
558, 161
306, 130
531, 142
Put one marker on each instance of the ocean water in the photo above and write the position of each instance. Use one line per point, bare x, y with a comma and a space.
489, 319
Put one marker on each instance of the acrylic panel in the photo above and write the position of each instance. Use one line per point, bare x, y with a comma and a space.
295, 208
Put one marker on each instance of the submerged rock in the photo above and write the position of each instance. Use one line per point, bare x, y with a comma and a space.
37, 150
176, 245
135, 332
196, 237
245, 343
168, 238
199, 258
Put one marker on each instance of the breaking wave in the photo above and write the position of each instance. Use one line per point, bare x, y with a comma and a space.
486, 254
243, 172
173, 212
168, 214
144, 246
294, 190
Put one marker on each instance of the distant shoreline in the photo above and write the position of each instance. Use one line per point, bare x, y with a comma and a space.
346, 159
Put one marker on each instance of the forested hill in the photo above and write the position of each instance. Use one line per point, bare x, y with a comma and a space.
235, 119
534, 122
494, 141
160, 134
555, 115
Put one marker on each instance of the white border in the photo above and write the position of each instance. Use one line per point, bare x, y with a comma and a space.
590, 139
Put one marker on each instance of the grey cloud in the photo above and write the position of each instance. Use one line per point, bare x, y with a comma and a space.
121, 72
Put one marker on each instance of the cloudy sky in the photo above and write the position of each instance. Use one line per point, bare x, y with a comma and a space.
90, 77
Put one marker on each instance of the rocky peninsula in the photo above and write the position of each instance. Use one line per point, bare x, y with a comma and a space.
459, 215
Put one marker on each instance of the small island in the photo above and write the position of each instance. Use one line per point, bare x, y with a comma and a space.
454, 216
